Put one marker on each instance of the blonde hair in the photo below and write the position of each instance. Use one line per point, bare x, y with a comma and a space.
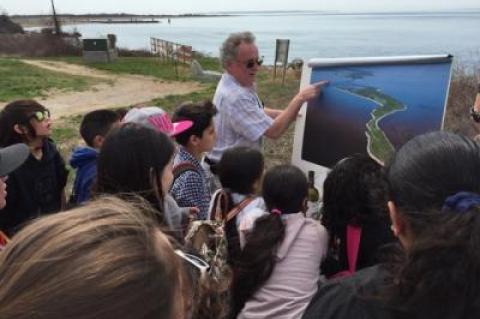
107, 259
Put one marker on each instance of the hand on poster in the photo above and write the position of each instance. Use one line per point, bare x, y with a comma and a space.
311, 91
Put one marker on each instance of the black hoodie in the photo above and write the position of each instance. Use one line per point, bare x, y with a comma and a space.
34, 189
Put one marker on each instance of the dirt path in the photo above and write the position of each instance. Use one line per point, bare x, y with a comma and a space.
119, 90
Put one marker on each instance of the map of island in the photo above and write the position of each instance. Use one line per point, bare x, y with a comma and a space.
379, 146
370, 109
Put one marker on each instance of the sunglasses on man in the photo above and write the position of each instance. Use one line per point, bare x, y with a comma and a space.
250, 64
40, 115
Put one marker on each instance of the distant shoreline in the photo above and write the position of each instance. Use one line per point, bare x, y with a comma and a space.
44, 20
31, 21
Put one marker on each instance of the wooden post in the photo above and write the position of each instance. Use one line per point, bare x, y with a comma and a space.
281, 56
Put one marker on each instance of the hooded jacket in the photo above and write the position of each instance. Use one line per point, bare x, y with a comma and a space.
84, 160
355, 297
34, 189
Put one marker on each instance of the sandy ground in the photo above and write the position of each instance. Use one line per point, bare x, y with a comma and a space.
118, 91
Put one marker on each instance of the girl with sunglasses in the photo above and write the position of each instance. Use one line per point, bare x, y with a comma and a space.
37, 187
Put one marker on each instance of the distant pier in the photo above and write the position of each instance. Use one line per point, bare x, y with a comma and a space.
133, 20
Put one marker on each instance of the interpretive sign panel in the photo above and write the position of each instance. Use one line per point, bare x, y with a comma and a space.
371, 105
281, 52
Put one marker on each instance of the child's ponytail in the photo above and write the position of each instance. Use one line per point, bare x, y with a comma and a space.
284, 191
257, 260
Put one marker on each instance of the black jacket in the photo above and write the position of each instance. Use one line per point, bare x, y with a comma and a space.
355, 297
34, 189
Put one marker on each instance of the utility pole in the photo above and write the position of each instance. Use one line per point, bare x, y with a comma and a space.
56, 23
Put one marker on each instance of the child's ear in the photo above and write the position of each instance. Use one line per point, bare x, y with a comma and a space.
20, 129
257, 185
193, 140
98, 141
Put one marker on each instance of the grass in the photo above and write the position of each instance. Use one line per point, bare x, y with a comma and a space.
277, 96
149, 66
66, 129
169, 102
20, 80
66, 135
144, 66
463, 87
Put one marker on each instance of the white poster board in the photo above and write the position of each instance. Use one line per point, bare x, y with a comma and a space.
371, 106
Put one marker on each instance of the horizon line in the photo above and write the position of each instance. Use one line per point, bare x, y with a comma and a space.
233, 12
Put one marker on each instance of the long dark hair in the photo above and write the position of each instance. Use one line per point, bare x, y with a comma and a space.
439, 274
17, 112
355, 192
284, 190
238, 170
132, 160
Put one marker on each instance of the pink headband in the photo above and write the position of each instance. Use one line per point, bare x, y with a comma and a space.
276, 211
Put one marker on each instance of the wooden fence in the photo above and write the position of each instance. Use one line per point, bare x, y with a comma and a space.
171, 51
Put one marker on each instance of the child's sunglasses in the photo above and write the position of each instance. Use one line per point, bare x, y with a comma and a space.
40, 115
251, 63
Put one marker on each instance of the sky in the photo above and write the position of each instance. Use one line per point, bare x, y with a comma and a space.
205, 6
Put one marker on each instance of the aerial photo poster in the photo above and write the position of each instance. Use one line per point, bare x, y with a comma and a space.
371, 105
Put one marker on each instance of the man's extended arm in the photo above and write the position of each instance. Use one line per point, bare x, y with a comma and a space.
273, 113
288, 115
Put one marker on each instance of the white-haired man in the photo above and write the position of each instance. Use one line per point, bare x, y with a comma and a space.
242, 119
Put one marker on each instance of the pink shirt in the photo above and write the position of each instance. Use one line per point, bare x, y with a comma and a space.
294, 280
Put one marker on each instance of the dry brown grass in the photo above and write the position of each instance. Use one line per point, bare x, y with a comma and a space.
35, 44
276, 95
462, 93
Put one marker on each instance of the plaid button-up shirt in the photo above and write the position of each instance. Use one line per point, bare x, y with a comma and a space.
190, 189
241, 120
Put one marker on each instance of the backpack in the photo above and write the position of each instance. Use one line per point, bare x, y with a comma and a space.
181, 168
208, 239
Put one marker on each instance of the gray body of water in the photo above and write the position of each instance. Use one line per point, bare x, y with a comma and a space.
314, 35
